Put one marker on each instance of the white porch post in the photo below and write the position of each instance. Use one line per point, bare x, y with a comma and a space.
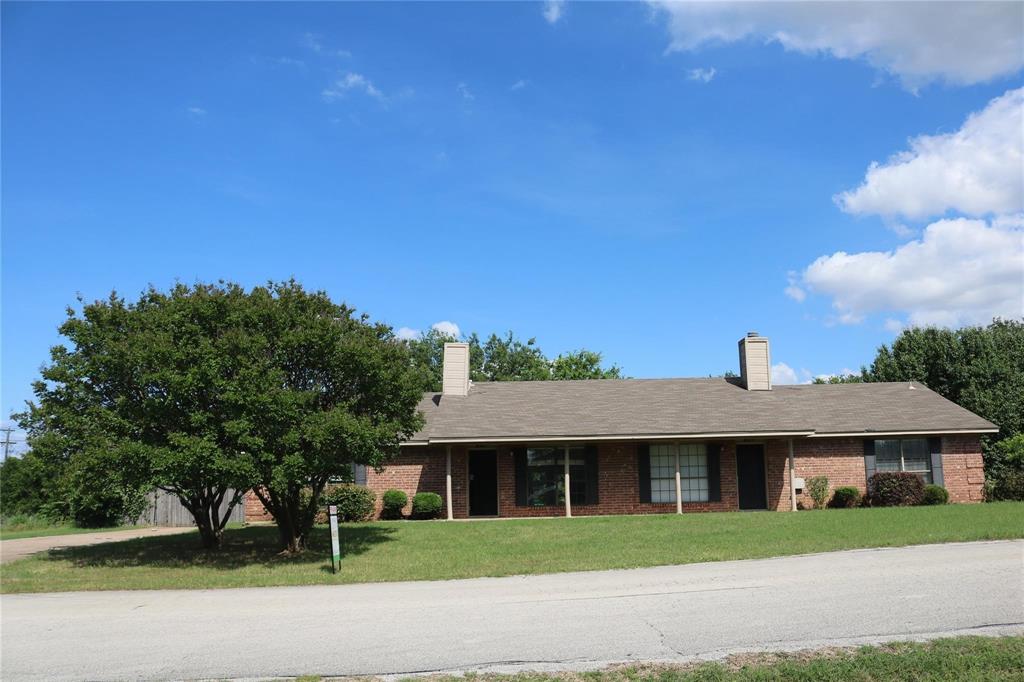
792, 478
679, 485
448, 481
568, 504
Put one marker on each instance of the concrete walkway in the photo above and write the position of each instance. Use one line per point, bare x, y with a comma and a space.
11, 550
548, 622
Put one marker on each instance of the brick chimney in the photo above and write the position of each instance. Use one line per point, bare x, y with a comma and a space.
455, 369
755, 363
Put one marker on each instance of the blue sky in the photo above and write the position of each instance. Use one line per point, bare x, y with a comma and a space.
645, 181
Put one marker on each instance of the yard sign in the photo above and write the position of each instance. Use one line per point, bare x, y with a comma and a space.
335, 545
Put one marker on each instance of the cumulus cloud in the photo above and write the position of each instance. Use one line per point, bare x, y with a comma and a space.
553, 10
961, 271
918, 42
784, 374
794, 290
701, 75
977, 170
519, 85
349, 82
407, 333
447, 328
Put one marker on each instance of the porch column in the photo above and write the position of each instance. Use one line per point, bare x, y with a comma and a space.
792, 478
679, 485
448, 481
568, 504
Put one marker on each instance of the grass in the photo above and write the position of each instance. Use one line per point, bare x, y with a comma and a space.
957, 659
424, 550
17, 527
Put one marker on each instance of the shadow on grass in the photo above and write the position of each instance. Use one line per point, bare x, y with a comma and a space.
242, 547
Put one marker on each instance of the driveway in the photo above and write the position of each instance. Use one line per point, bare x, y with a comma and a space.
11, 550
549, 622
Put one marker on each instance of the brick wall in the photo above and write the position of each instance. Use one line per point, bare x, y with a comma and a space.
963, 468
420, 469
254, 509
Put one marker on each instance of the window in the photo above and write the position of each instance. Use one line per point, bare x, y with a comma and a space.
693, 472
909, 454
356, 474
545, 476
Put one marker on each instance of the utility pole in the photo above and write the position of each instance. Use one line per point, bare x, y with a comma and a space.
7, 442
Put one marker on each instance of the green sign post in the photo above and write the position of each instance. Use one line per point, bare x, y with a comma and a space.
335, 544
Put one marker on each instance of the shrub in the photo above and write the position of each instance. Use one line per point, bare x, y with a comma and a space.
895, 489
354, 502
394, 502
426, 506
845, 497
1010, 486
817, 488
935, 494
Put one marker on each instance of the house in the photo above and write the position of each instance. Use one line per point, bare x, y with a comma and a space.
638, 446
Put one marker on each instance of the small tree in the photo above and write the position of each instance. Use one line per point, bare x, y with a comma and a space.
817, 488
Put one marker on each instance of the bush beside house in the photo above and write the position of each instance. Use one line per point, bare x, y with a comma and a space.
845, 497
895, 489
354, 502
393, 502
426, 506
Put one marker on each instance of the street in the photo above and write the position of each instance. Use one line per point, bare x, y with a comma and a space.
549, 622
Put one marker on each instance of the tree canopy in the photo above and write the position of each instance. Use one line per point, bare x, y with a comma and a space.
505, 358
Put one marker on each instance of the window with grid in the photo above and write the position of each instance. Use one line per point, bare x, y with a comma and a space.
907, 454
693, 472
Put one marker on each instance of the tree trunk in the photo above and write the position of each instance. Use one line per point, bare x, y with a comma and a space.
209, 536
293, 540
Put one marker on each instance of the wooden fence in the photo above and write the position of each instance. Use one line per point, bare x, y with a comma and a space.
164, 509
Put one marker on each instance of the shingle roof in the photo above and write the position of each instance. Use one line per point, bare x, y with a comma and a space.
624, 408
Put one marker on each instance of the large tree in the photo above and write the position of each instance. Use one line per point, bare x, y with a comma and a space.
329, 389
150, 393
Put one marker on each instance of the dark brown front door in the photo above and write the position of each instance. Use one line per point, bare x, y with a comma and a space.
483, 483
750, 472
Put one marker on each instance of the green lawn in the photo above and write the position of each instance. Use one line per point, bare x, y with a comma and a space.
967, 659
430, 550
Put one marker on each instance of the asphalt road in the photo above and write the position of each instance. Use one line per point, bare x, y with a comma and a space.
11, 550
563, 621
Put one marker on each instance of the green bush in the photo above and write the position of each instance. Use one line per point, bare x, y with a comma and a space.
354, 502
817, 488
394, 502
935, 494
1010, 486
895, 489
845, 497
426, 506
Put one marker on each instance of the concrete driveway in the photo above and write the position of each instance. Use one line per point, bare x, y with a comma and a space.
550, 622
11, 550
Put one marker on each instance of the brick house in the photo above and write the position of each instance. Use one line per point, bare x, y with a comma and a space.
639, 446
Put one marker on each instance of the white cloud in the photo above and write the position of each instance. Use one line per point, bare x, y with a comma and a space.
196, 111
784, 374
893, 325
352, 81
961, 271
794, 291
407, 333
446, 327
464, 92
553, 10
701, 75
977, 170
519, 85
314, 42
918, 42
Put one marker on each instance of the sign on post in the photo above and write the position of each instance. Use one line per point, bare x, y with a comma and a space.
335, 545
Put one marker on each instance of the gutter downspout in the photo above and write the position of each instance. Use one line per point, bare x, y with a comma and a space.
792, 476
448, 481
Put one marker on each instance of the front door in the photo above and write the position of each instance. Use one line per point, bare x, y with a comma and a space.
750, 472
483, 483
